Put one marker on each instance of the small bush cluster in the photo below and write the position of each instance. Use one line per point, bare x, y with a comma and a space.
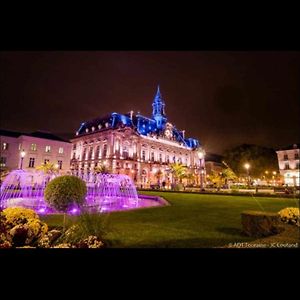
89, 232
290, 215
20, 227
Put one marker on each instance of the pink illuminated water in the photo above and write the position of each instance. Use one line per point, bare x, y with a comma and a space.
105, 193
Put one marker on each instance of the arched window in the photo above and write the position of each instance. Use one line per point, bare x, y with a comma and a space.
152, 156
91, 153
84, 154
104, 150
117, 146
134, 149
125, 152
97, 152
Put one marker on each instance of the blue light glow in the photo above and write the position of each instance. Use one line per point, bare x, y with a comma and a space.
143, 125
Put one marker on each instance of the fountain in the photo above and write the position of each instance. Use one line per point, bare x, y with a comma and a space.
105, 192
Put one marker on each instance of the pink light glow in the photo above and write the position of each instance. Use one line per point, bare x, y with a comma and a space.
105, 192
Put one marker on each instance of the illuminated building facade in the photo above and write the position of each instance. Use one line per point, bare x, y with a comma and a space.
289, 164
38, 147
138, 146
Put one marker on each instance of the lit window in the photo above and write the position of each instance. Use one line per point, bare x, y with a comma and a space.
90, 153
33, 147
97, 153
60, 150
104, 150
84, 154
4, 146
31, 162
59, 164
117, 145
48, 149
20, 147
125, 153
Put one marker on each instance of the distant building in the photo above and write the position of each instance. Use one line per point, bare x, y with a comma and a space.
289, 165
138, 146
39, 147
213, 163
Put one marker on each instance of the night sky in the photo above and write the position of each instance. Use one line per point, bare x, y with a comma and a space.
222, 98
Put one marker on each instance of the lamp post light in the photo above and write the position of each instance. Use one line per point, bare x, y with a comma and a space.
22, 154
247, 167
201, 155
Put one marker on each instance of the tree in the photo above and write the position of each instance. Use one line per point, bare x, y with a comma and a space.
178, 171
102, 169
64, 191
223, 177
190, 177
259, 158
48, 168
4, 171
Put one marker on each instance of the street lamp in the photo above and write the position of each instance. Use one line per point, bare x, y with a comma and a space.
22, 154
247, 167
201, 155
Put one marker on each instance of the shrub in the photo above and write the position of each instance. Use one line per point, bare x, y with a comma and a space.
290, 215
64, 191
21, 227
87, 226
90, 242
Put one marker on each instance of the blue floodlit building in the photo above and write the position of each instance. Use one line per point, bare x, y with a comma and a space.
139, 146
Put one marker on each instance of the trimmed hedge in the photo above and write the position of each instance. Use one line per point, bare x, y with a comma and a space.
64, 191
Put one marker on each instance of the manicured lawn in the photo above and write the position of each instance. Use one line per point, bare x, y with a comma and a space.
192, 220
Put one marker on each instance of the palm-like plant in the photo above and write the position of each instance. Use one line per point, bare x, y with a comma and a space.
220, 178
48, 168
178, 171
190, 177
102, 169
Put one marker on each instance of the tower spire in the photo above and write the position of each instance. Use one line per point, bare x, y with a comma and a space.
158, 112
158, 97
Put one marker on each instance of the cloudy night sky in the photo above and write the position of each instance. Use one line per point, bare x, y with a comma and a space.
222, 98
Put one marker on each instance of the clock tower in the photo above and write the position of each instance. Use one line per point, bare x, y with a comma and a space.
158, 113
